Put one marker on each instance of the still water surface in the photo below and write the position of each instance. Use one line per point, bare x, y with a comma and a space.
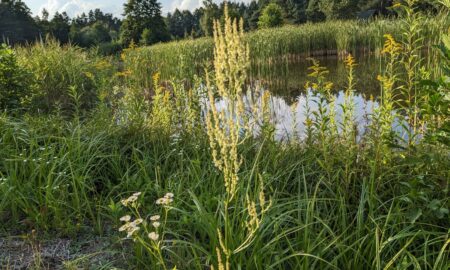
290, 98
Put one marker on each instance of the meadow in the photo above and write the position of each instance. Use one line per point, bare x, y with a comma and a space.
123, 164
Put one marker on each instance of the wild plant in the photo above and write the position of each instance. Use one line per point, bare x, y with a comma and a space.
231, 58
224, 126
261, 111
324, 118
435, 107
132, 109
348, 129
187, 107
411, 60
384, 116
55, 69
14, 80
147, 232
162, 111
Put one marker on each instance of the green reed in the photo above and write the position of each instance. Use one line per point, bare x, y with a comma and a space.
187, 58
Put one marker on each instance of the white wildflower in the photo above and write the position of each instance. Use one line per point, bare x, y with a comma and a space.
124, 227
125, 218
153, 235
131, 231
155, 217
156, 224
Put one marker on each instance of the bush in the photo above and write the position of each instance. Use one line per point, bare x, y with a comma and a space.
14, 80
109, 48
272, 16
64, 77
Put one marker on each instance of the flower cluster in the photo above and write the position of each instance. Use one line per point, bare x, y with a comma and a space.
391, 46
166, 200
130, 200
130, 227
155, 223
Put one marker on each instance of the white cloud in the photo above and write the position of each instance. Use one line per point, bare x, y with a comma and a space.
76, 7
185, 4
190, 4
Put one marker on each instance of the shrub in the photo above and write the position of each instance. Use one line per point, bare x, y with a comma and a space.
61, 73
272, 16
13, 80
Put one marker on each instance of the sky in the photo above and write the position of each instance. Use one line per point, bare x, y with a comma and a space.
76, 7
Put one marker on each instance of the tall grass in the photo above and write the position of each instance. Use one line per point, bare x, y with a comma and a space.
185, 179
186, 58
62, 74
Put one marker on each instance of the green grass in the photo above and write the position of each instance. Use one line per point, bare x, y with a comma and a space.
316, 222
186, 58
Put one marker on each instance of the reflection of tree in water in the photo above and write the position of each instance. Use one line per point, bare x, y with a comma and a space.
288, 79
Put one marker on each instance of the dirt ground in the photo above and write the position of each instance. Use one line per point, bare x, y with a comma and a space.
84, 252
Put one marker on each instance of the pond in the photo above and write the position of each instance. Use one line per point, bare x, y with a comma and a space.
290, 100
288, 79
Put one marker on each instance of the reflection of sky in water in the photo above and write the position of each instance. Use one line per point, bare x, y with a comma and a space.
289, 119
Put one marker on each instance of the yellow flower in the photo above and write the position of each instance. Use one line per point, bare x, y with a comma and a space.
387, 82
156, 77
328, 86
391, 46
350, 61
89, 75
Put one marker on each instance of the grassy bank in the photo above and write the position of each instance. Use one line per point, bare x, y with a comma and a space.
165, 176
184, 59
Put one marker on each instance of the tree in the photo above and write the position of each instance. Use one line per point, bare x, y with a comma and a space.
272, 16
197, 28
141, 15
211, 12
339, 9
94, 29
180, 23
314, 12
60, 27
16, 23
296, 11
90, 35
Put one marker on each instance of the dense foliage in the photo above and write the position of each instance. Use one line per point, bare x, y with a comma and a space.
271, 16
14, 80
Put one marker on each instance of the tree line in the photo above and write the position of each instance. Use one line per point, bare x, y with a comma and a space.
144, 24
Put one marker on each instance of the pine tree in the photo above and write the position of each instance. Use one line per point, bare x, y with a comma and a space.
211, 12
141, 15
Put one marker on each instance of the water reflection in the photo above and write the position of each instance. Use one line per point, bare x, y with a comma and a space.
290, 101
287, 79
289, 118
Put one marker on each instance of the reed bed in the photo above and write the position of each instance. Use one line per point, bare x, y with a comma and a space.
187, 58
